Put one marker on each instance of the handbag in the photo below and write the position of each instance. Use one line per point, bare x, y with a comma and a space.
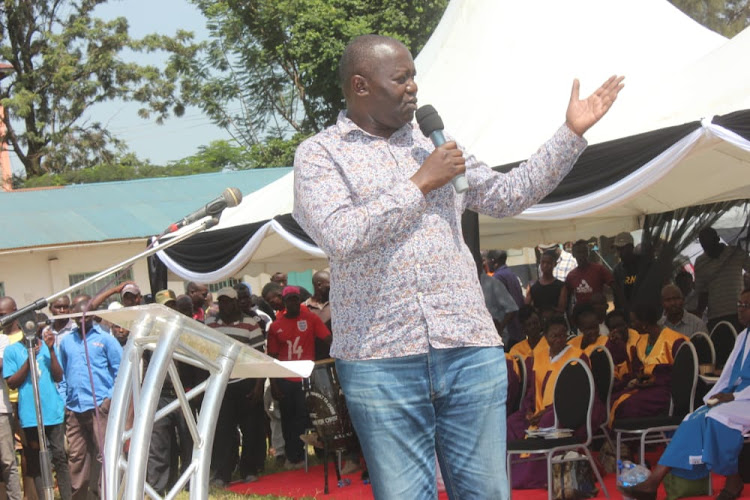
573, 480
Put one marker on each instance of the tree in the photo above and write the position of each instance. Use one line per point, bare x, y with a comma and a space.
727, 17
269, 70
215, 157
63, 60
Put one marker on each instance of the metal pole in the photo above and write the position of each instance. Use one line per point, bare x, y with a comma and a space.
30, 339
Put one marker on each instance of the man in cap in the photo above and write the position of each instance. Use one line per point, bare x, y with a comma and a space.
242, 405
130, 295
291, 338
166, 298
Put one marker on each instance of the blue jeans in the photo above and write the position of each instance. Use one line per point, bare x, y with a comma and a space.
448, 401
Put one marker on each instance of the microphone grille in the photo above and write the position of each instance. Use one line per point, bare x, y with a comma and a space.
429, 120
232, 196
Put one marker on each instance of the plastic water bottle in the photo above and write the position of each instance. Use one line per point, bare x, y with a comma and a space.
630, 474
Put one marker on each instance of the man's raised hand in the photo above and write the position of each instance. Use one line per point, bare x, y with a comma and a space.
582, 114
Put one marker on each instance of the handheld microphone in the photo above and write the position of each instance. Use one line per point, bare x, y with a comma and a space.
431, 126
231, 197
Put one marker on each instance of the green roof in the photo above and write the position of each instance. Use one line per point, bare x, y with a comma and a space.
115, 210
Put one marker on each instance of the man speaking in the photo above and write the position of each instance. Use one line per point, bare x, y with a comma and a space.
421, 365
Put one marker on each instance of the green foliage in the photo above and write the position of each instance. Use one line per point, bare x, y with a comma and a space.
727, 17
217, 156
62, 61
269, 70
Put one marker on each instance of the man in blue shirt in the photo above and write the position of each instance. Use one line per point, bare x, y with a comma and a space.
86, 411
16, 374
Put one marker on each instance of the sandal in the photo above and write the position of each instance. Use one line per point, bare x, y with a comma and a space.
725, 494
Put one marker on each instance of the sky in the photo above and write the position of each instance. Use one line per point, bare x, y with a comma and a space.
177, 137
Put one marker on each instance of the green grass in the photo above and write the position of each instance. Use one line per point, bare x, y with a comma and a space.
271, 467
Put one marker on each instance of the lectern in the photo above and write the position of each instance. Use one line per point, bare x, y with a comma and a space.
172, 337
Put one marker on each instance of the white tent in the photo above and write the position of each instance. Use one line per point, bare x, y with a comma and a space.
499, 73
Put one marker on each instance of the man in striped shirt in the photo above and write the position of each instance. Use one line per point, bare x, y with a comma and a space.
243, 400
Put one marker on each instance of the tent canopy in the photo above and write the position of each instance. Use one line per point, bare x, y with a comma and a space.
679, 134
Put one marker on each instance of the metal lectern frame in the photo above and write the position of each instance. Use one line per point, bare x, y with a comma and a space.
172, 337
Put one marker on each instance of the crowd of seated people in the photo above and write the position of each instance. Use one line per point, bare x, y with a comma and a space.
642, 341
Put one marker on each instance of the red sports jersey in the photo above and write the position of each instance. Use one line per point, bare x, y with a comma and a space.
293, 339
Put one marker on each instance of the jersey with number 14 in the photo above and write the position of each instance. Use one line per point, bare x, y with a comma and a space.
293, 339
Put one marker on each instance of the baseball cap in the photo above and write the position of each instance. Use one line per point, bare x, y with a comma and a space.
290, 290
226, 292
624, 238
130, 288
548, 246
164, 296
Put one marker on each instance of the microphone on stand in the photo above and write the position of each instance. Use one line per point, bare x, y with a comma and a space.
431, 126
231, 197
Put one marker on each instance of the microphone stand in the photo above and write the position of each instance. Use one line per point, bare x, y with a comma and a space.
29, 329
27, 312
27, 321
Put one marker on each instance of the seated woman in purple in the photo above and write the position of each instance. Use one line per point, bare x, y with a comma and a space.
646, 390
537, 410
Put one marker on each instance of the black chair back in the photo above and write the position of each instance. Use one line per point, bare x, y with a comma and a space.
723, 336
574, 396
603, 371
684, 380
704, 348
523, 381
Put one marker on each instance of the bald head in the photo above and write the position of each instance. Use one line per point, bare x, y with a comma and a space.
361, 56
321, 285
7, 306
670, 290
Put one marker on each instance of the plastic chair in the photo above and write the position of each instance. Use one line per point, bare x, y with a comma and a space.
683, 383
573, 403
603, 371
704, 348
723, 337
522, 375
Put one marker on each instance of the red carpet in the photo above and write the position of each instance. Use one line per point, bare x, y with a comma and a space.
298, 484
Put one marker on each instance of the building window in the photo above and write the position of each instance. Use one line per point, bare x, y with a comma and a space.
94, 288
2, 289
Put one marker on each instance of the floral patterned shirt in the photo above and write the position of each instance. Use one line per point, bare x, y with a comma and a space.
402, 277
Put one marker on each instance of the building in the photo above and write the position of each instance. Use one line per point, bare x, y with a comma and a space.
52, 238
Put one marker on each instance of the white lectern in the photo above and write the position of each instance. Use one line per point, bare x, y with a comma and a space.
172, 337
